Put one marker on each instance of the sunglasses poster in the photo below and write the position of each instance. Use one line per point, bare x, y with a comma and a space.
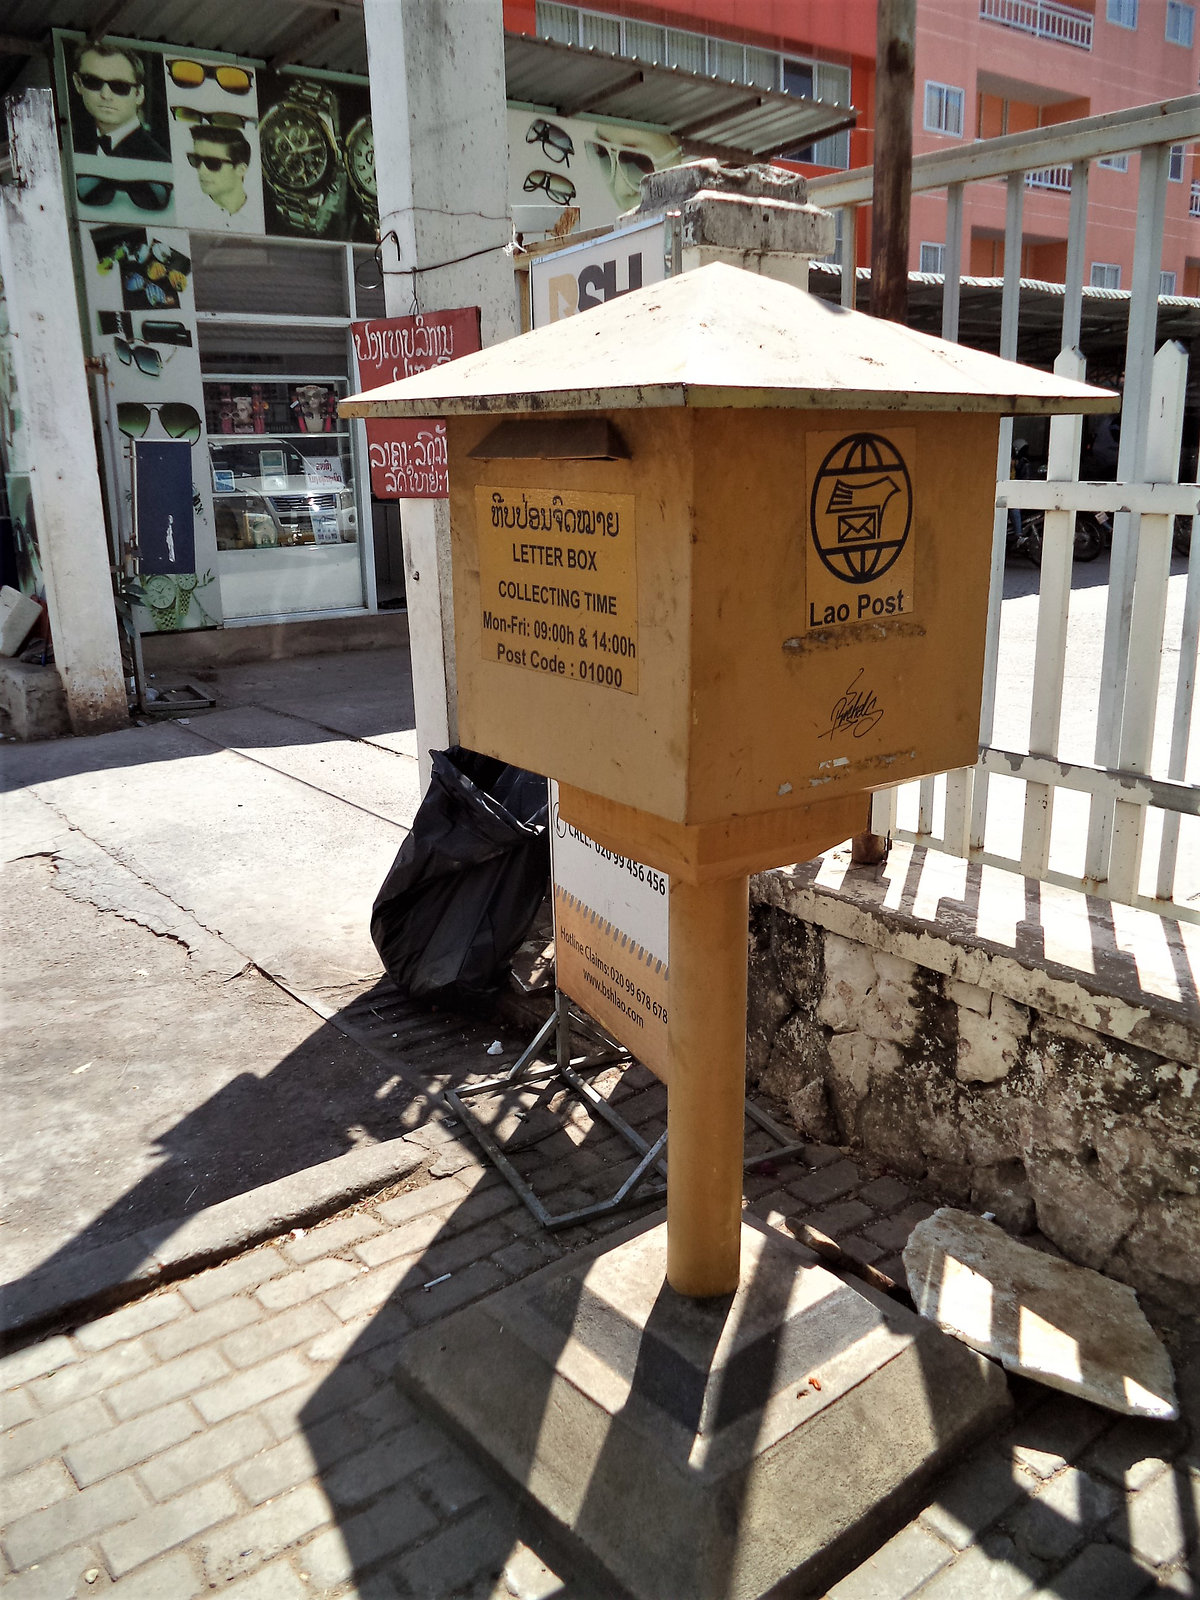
569, 174
117, 105
213, 121
141, 312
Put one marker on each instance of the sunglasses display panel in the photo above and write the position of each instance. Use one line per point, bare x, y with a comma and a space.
141, 320
559, 166
169, 150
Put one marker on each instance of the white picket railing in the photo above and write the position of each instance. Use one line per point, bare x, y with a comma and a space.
1049, 178
1068, 24
1129, 801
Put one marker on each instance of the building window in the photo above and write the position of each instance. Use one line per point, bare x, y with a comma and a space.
1181, 23
1123, 13
833, 151
1105, 275
943, 109
933, 258
820, 81
1175, 164
560, 23
1114, 163
1166, 283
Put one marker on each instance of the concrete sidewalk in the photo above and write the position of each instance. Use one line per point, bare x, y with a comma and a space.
241, 1430
208, 1067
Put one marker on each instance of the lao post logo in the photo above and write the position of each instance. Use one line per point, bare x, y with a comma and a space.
860, 561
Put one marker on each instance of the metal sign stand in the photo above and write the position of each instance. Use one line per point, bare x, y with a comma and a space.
567, 1070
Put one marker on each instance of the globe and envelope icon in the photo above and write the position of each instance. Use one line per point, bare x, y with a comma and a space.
861, 507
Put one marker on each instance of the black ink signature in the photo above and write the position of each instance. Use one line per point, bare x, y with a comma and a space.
857, 710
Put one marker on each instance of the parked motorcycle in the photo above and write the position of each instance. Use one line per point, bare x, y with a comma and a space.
1093, 531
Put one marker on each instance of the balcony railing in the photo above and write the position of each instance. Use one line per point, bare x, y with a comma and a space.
1045, 18
1049, 178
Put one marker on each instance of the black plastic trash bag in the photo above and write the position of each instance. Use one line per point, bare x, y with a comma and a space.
468, 880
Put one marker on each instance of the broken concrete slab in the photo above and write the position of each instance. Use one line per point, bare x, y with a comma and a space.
33, 697
759, 1443
1047, 1319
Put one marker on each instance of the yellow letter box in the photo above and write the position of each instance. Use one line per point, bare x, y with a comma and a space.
721, 555
726, 564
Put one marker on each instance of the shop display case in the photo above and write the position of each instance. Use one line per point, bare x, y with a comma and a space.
283, 497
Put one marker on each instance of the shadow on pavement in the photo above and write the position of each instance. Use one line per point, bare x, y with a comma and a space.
326, 1097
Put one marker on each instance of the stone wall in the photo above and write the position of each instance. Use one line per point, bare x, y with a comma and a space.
1001, 1085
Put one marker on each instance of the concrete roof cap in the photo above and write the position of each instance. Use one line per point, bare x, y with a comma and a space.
720, 336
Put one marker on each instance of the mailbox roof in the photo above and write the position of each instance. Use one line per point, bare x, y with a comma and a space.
719, 336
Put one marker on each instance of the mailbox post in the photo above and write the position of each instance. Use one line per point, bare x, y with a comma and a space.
720, 560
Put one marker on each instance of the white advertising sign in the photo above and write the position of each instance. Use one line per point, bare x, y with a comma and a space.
324, 472
611, 938
565, 282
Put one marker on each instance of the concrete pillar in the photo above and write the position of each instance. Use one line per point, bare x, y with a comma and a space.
35, 265
441, 156
756, 217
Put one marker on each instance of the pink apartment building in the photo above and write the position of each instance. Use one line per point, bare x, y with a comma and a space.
987, 67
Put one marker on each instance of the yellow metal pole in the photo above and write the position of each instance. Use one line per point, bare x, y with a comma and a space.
706, 1084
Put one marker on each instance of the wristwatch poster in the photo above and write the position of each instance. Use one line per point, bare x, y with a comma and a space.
360, 168
318, 162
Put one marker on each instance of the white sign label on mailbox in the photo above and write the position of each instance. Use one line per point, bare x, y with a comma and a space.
610, 938
585, 275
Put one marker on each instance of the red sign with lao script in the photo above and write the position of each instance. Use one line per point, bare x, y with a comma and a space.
408, 458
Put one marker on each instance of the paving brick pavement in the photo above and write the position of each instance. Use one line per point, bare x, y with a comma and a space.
240, 1431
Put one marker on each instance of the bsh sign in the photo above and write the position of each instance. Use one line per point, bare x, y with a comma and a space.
587, 275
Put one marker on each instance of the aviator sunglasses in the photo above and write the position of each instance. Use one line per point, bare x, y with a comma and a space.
555, 141
94, 84
147, 194
179, 421
560, 189
215, 119
191, 74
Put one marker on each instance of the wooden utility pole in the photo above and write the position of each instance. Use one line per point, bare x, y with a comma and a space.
891, 193
895, 46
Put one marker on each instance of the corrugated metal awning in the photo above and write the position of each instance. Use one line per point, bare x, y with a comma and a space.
707, 115
1104, 321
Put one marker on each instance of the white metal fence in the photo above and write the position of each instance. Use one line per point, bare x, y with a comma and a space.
1067, 24
1116, 766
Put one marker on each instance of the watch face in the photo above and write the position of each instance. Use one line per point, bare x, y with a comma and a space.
159, 591
296, 151
361, 149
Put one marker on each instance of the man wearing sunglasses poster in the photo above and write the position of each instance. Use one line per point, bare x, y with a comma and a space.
220, 158
108, 107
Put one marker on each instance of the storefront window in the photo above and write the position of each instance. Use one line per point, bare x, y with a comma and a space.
284, 503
